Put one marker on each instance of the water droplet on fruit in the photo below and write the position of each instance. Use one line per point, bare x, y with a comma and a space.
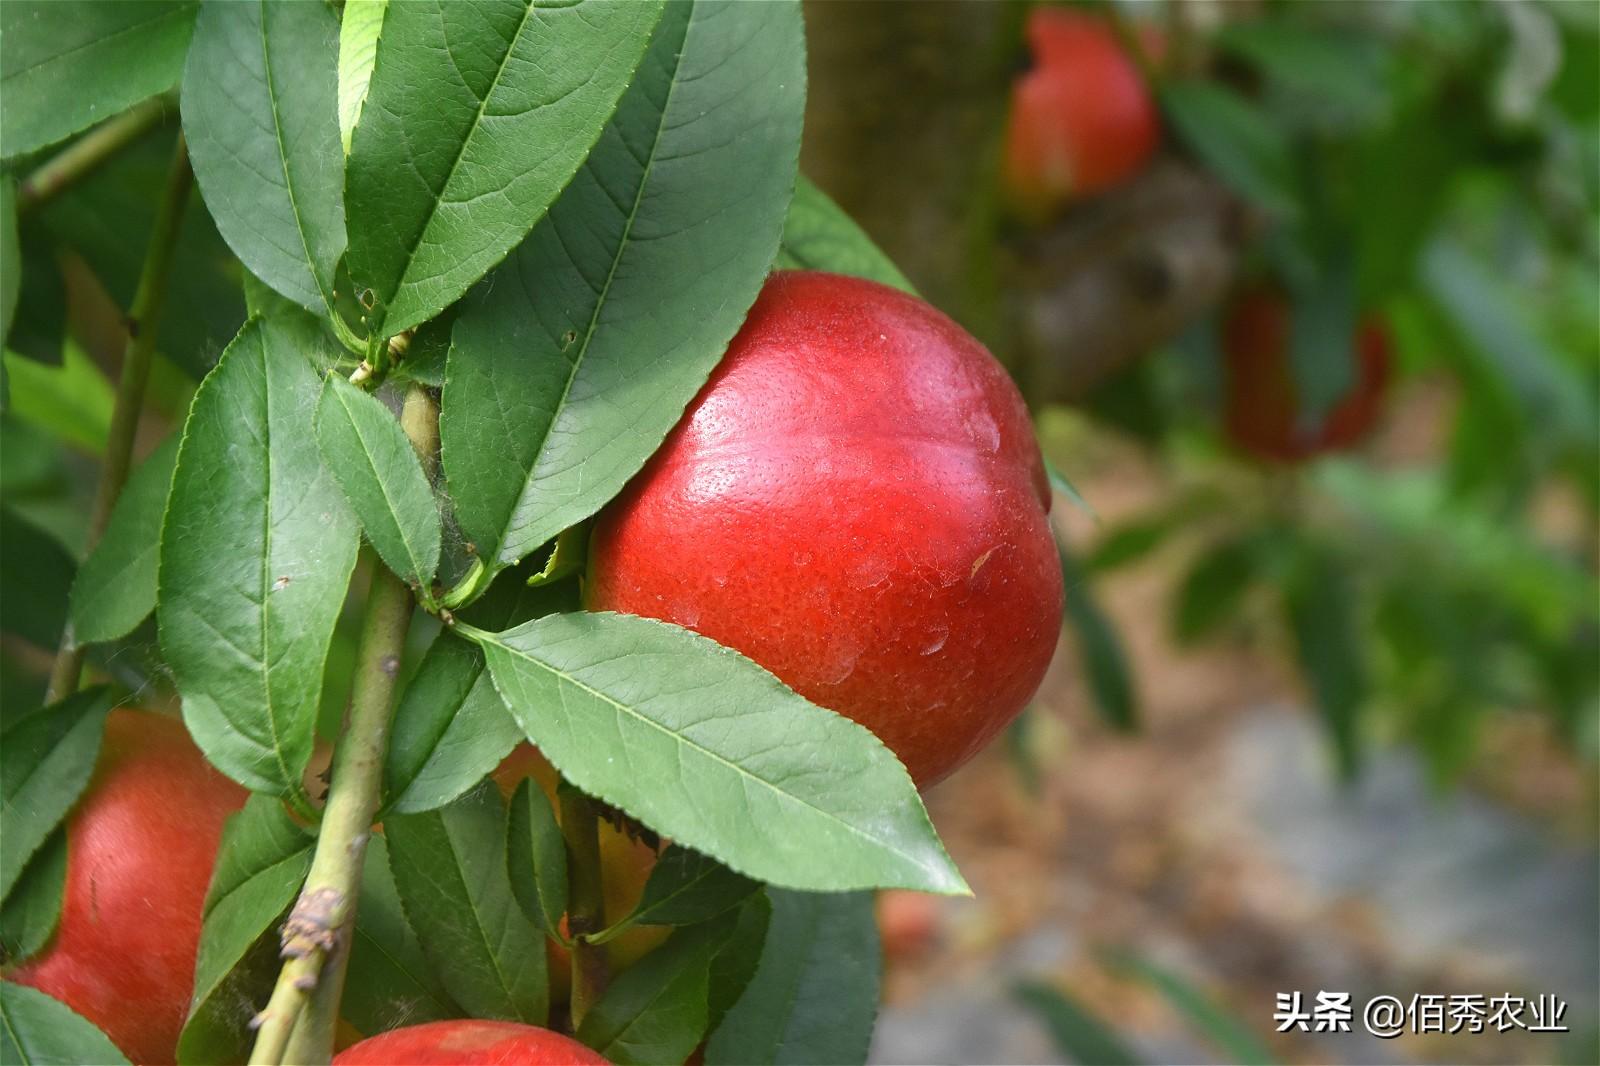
840, 665
869, 572
937, 637
983, 431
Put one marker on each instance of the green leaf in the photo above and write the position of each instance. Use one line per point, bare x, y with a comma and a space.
536, 858
1060, 484
1236, 140
1129, 543
31, 465
1110, 678
1396, 218
30, 913
382, 477
657, 1010
569, 367
685, 888
359, 28
261, 863
735, 965
35, 576
450, 868
1227, 1032
260, 112
256, 554
71, 400
1078, 1034
818, 235
39, 1031
1494, 319
10, 255
1321, 606
679, 732
1330, 77
814, 997
390, 983
68, 65
38, 326
479, 115
1215, 586
46, 760
116, 586
1322, 338
568, 555
450, 729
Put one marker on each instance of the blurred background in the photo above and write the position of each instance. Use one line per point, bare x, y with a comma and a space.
1306, 300
1305, 297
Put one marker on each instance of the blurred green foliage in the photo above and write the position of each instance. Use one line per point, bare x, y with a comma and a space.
1437, 166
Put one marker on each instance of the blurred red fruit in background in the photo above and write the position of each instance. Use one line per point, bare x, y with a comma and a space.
1262, 409
1082, 119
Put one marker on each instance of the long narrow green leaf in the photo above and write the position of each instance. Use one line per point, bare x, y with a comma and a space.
67, 65
536, 857
1104, 658
1079, 1034
374, 462
116, 586
262, 861
704, 746
1226, 1031
46, 760
449, 866
35, 1029
260, 113
657, 1011
1235, 138
1321, 606
32, 910
685, 887
818, 235
450, 729
390, 983
477, 115
359, 28
814, 997
569, 367
256, 554
736, 964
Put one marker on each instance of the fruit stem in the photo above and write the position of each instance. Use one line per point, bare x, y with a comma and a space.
87, 153
586, 901
144, 316
298, 1022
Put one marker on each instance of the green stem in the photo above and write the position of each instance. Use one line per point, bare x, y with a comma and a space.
586, 901
88, 152
298, 1022
144, 318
